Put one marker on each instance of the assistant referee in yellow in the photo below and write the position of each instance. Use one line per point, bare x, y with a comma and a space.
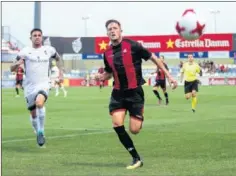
189, 73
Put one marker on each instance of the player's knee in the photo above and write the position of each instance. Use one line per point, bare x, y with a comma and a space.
187, 97
135, 125
134, 130
117, 124
194, 93
39, 102
118, 117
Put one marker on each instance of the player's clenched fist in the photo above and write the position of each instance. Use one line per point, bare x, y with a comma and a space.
19, 62
174, 83
99, 77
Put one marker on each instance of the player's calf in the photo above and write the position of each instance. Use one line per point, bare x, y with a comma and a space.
17, 90
118, 125
126, 141
40, 100
63, 89
101, 85
34, 120
166, 96
57, 89
40, 110
194, 100
156, 93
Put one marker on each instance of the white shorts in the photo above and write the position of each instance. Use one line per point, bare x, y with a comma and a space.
30, 98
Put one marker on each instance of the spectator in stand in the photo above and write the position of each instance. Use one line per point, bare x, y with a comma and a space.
199, 63
234, 57
226, 68
208, 66
204, 64
181, 64
222, 68
213, 68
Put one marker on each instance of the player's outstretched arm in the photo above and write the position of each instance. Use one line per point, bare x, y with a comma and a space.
181, 77
198, 69
160, 64
104, 76
182, 73
107, 71
60, 65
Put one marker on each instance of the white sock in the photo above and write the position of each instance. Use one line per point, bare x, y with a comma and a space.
57, 89
41, 112
63, 89
34, 122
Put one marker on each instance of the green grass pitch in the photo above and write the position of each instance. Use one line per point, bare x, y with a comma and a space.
81, 141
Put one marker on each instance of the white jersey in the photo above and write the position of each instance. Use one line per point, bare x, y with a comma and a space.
36, 62
54, 72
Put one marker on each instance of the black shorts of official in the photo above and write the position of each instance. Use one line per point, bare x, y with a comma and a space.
190, 86
128, 100
160, 83
19, 82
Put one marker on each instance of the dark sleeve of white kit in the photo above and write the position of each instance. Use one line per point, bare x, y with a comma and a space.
17, 58
143, 52
167, 68
20, 55
53, 52
107, 68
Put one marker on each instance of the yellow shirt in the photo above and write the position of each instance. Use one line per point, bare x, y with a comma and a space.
190, 71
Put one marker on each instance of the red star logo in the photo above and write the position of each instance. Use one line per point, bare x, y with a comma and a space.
178, 28
188, 10
198, 29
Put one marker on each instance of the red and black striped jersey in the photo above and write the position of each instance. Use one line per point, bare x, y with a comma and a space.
125, 62
160, 73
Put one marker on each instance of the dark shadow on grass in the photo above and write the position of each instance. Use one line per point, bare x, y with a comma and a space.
19, 149
94, 164
152, 105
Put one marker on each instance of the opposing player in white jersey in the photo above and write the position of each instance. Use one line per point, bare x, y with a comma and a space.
55, 81
36, 61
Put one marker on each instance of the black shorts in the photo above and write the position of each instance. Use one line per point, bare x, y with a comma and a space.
19, 82
160, 83
57, 82
190, 86
128, 100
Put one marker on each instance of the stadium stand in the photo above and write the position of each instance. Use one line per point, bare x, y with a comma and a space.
81, 68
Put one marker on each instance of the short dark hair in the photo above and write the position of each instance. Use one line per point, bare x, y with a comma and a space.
36, 29
112, 21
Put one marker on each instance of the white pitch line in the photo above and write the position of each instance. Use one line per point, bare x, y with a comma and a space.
56, 137
80, 129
